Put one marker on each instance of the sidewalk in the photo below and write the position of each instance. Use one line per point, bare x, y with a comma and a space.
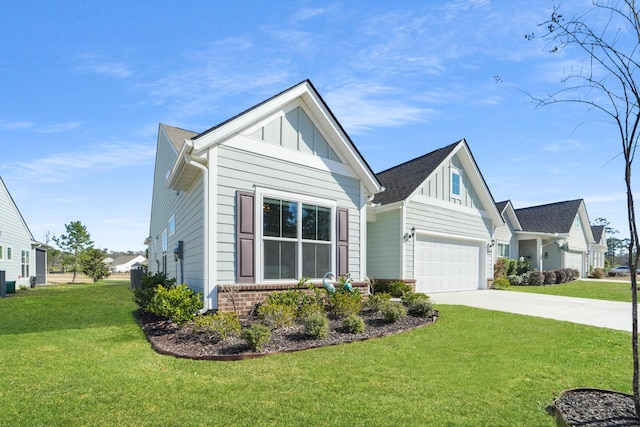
604, 314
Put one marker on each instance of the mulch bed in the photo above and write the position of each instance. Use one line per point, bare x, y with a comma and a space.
183, 341
588, 407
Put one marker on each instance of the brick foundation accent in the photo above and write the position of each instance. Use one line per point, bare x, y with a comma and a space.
248, 296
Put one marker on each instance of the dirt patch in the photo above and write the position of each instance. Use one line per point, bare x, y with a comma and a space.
182, 341
65, 278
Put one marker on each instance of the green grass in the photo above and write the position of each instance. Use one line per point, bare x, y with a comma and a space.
73, 356
611, 291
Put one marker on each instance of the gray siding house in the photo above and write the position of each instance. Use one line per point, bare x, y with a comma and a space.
273, 194
17, 245
434, 223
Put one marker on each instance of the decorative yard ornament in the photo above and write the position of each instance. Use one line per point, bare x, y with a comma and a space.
328, 285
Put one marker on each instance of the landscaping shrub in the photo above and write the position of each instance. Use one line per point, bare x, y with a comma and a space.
396, 288
561, 276
502, 283
422, 307
597, 273
513, 279
220, 325
299, 299
376, 301
536, 278
343, 303
393, 311
276, 315
511, 267
316, 325
549, 277
499, 267
148, 284
572, 274
522, 266
256, 336
409, 297
353, 324
179, 303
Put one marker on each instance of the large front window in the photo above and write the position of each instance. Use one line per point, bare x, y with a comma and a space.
296, 239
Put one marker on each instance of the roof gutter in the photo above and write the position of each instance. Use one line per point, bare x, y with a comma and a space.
205, 224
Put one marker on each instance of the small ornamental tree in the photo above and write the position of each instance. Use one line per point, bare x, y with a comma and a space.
91, 263
606, 38
76, 240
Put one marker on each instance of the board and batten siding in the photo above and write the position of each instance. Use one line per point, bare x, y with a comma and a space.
15, 235
444, 222
439, 186
238, 169
384, 240
187, 206
577, 239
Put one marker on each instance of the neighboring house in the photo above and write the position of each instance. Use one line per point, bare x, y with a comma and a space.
253, 204
434, 223
20, 255
598, 248
124, 263
505, 239
555, 235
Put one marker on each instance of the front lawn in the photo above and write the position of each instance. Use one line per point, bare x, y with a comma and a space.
72, 355
605, 290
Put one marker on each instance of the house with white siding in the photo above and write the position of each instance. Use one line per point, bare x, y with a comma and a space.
253, 204
18, 248
556, 235
599, 247
434, 224
505, 239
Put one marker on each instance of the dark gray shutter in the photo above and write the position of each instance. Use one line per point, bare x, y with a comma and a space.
245, 247
343, 242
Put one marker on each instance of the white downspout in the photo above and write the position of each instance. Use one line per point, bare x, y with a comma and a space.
205, 225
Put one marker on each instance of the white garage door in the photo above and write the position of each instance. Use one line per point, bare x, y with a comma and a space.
574, 260
446, 264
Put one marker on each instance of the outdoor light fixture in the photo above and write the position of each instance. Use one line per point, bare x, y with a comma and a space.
408, 236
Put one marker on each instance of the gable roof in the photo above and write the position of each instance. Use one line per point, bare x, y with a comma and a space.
402, 180
19, 214
176, 135
550, 218
195, 144
506, 210
597, 231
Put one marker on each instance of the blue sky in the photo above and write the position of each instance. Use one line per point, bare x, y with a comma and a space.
85, 84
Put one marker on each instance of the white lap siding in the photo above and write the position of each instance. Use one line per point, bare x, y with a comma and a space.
242, 170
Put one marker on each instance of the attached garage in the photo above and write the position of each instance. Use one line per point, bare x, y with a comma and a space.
574, 260
447, 264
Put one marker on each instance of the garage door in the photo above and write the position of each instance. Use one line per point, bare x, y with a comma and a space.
574, 260
446, 264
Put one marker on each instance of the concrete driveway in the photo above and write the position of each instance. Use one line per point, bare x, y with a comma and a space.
604, 314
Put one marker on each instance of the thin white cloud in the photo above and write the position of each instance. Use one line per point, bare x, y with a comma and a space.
59, 127
567, 145
16, 125
68, 166
96, 64
362, 106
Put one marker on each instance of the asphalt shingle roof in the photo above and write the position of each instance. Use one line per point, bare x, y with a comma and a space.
551, 218
597, 231
402, 180
502, 205
177, 135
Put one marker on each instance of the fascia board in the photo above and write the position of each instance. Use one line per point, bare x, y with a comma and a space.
178, 165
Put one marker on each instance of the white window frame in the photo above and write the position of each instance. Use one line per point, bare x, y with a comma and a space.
25, 263
261, 194
506, 246
172, 225
9, 253
455, 171
165, 241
